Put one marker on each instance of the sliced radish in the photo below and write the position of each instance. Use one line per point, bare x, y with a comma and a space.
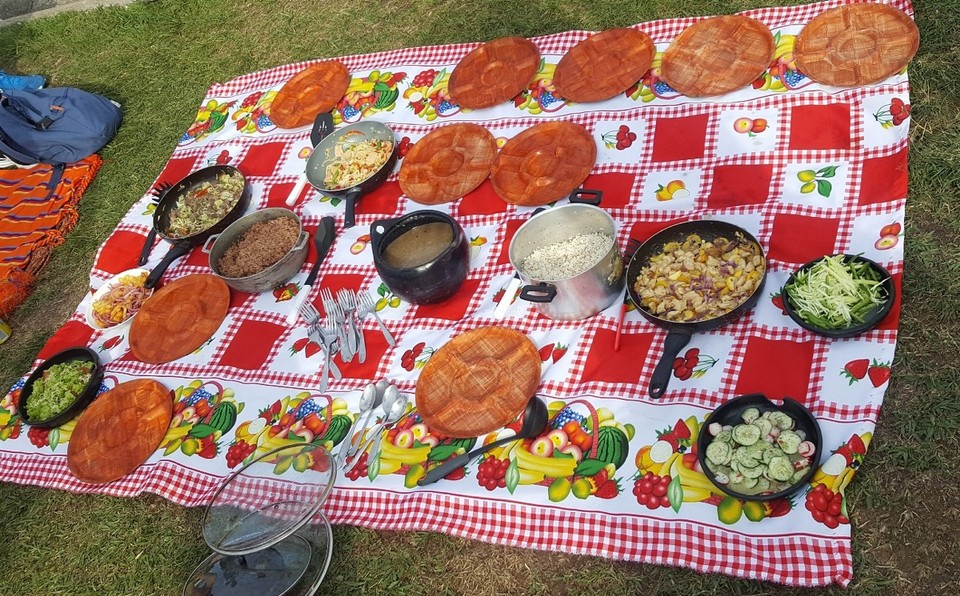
715, 428
721, 478
807, 449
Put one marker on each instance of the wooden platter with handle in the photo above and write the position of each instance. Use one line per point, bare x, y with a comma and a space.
178, 318
448, 163
119, 431
494, 72
543, 163
314, 90
604, 65
478, 382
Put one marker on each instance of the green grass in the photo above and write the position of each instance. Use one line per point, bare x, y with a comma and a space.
159, 58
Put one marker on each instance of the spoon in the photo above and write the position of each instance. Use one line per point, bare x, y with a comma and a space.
535, 418
397, 409
369, 400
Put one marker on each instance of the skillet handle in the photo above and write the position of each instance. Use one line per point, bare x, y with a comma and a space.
147, 247
176, 251
676, 340
351, 199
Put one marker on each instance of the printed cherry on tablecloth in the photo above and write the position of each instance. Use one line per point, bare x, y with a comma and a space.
428, 95
301, 418
826, 500
200, 419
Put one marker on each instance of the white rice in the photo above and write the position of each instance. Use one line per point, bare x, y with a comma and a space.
566, 259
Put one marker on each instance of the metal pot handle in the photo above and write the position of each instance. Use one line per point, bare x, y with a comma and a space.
586, 196
207, 247
542, 292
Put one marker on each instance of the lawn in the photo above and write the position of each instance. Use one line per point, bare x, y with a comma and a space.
158, 59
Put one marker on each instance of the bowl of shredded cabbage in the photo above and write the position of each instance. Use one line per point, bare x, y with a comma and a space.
839, 295
119, 299
60, 388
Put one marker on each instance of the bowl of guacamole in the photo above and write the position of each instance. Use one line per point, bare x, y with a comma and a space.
60, 388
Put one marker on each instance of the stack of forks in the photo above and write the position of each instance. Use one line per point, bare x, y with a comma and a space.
347, 310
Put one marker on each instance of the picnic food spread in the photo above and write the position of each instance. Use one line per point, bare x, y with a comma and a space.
699, 202
121, 301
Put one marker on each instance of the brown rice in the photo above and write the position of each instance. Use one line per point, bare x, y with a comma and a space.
261, 246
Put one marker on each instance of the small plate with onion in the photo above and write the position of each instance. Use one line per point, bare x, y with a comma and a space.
839, 295
118, 300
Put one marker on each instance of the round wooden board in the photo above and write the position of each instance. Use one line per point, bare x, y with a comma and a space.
178, 318
543, 163
314, 90
494, 72
447, 163
119, 431
856, 44
604, 65
717, 55
478, 382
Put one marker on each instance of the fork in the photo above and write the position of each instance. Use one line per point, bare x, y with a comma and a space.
347, 302
366, 306
334, 312
330, 344
312, 317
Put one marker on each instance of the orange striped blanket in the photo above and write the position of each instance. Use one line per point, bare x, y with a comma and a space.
32, 225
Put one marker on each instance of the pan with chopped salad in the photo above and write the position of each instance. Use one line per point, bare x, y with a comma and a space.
60, 388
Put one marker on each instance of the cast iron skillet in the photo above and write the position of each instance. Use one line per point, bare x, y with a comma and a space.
161, 218
323, 154
679, 334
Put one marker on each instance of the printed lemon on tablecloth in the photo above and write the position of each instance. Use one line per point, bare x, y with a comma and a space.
300, 418
411, 449
202, 414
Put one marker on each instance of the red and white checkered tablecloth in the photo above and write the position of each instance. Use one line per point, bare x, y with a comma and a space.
820, 171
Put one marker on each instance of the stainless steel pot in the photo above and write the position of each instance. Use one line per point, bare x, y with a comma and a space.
586, 293
273, 276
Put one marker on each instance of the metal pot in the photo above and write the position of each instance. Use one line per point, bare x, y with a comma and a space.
584, 294
273, 276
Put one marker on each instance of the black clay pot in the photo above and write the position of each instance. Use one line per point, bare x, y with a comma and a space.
423, 257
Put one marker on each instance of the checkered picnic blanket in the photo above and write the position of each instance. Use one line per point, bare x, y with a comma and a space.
817, 171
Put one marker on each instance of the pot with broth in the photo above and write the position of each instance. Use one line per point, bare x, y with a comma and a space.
423, 257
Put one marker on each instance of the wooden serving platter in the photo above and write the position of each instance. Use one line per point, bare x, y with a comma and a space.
543, 163
604, 65
718, 55
448, 163
314, 90
856, 44
494, 72
119, 431
478, 382
178, 318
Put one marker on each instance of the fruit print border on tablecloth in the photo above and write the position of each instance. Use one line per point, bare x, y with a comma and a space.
184, 479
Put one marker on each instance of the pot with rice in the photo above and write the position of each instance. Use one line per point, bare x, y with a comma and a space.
570, 262
260, 251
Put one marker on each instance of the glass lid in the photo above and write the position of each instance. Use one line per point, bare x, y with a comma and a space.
268, 499
273, 571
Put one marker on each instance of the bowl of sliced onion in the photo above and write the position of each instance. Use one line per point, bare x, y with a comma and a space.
118, 299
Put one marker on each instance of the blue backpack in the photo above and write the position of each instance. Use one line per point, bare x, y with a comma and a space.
55, 126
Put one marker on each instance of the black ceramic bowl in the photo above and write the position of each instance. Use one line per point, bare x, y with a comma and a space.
431, 276
872, 318
82, 400
732, 413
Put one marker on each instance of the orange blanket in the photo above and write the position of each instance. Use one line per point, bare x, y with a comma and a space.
31, 224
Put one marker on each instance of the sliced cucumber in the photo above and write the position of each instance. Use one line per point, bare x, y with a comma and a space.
780, 469
746, 434
764, 424
782, 420
719, 452
762, 485
789, 441
798, 475
754, 472
750, 414
724, 436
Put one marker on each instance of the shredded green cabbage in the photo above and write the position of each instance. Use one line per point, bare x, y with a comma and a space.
834, 293
57, 388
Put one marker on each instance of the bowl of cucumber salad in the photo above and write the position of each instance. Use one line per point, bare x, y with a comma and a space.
759, 450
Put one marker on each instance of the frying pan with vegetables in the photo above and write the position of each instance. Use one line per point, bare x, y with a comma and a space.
679, 332
186, 238
351, 162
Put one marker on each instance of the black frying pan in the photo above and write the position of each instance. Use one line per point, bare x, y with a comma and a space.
324, 154
161, 218
679, 334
